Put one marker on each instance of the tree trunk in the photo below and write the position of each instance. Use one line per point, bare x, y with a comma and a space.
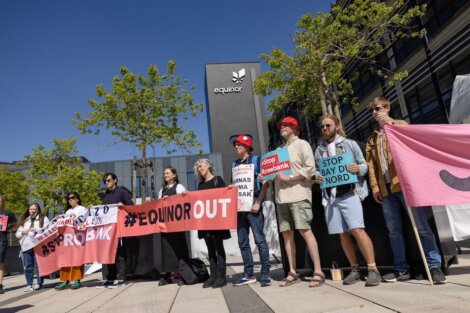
336, 105
144, 172
152, 179
323, 101
323, 92
134, 180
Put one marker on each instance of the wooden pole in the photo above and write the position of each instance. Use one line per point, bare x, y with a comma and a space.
420, 246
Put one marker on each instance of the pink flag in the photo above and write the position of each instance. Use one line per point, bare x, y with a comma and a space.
432, 162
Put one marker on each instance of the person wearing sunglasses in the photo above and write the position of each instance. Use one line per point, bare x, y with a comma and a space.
343, 208
73, 273
386, 190
114, 275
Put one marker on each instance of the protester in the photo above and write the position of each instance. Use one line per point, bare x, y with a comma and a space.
254, 219
114, 275
214, 239
75, 273
386, 190
343, 208
7, 222
294, 202
32, 220
174, 245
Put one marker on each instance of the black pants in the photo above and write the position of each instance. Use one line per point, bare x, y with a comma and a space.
116, 271
216, 251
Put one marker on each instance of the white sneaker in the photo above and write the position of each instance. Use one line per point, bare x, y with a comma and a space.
37, 287
29, 288
116, 284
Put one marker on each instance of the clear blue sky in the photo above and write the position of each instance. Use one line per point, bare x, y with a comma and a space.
54, 53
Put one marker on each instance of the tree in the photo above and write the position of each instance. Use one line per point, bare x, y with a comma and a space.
144, 111
55, 172
14, 188
325, 44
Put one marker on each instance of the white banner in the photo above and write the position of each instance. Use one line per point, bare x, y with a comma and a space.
243, 177
95, 216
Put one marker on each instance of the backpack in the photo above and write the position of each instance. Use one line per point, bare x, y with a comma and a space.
193, 271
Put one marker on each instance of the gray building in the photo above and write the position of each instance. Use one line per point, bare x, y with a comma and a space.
233, 108
183, 164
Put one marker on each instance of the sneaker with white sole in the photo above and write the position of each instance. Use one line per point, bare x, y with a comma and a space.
29, 288
37, 287
116, 284
265, 280
245, 280
104, 284
396, 276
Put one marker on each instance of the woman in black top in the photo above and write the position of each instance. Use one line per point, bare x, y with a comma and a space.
174, 245
214, 239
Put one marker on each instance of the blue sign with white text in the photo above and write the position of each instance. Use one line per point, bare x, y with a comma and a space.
335, 172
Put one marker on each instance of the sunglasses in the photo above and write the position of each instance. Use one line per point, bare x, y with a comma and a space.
71, 198
326, 126
377, 109
108, 180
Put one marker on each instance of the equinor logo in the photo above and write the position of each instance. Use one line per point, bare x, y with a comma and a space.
237, 78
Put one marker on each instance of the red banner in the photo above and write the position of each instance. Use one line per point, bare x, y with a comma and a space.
211, 209
71, 247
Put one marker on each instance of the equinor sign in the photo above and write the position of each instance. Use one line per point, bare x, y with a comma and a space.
237, 78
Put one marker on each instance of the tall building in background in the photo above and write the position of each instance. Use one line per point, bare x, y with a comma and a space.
233, 108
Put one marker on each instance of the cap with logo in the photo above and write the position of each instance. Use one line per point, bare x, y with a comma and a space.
246, 140
289, 121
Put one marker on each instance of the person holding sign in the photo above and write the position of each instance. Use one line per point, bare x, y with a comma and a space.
174, 245
386, 189
342, 199
214, 239
7, 222
251, 194
294, 201
31, 221
75, 273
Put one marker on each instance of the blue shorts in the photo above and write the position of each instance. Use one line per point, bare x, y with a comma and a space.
344, 214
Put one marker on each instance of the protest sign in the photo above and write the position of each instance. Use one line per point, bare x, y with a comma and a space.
243, 177
274, 163
72, 247
211, 209
335, 172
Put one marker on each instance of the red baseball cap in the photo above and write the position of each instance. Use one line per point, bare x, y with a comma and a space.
244, 140
290, 121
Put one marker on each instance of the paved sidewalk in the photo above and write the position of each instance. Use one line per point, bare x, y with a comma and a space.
146, 296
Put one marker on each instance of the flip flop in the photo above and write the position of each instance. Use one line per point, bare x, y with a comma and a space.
320, 281
288, 282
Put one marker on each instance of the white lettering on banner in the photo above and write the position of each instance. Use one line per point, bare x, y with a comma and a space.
95, 216
200, 209
79, 238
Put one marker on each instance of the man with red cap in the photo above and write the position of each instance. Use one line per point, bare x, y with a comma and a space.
255, 219
294, 201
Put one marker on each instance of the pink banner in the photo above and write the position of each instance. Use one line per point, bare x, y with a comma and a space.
71, 247
209, 209
432, 162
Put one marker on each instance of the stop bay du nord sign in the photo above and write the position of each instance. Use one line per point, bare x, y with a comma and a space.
335, 172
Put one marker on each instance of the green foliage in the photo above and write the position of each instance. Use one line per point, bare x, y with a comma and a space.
55, 172
325, 44
14, 188
144, 110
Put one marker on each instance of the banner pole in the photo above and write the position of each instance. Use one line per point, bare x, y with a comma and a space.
420, 246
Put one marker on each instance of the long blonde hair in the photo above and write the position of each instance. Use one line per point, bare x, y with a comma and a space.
337, 123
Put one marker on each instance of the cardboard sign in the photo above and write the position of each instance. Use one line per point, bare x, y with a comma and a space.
3, 222
274, 163
335, 172
243, 177
211, 209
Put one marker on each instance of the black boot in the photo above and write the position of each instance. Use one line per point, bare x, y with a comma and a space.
213, 269
222, 279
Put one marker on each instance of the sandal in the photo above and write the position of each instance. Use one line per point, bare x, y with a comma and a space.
288, 282
317, 282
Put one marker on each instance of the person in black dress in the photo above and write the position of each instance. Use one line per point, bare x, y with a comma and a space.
174, 245
214, 239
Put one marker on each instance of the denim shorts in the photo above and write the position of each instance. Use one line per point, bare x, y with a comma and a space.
344, 214
296, 215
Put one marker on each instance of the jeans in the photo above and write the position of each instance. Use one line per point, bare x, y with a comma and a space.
245, 220
392, 213
31, 267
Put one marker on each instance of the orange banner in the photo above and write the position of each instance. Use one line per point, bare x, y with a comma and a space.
211, 209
